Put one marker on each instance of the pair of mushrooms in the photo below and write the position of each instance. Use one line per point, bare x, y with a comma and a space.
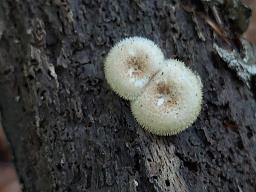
165, 95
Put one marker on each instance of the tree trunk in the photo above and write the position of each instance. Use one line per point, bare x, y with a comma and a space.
70, 132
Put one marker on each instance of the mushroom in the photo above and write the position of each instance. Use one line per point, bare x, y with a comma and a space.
171, 102
131, 64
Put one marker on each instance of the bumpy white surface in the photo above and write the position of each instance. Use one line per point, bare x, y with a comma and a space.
131, 64
171, 102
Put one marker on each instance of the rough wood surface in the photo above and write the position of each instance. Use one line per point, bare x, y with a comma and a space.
70, 132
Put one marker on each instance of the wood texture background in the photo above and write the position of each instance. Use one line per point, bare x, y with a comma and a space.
70, 132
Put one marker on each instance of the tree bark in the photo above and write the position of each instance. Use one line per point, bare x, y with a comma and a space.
70, 132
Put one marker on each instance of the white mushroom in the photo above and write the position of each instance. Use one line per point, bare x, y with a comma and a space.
171, 102
131, 64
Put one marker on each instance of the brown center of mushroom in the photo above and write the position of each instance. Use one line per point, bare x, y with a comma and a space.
137, 66
166, 96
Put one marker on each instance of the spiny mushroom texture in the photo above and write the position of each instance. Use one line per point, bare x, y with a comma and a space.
131, 64
171, 102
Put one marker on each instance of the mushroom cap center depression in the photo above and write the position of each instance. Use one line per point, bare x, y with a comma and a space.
166, 96
137, 66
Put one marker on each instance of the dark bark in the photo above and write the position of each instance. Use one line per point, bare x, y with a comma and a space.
70, 132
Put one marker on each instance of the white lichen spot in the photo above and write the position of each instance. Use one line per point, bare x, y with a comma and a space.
244, 67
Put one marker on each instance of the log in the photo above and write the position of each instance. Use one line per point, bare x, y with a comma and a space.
70, 132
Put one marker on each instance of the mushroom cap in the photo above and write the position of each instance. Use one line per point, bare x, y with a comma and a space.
171, 102
131, 64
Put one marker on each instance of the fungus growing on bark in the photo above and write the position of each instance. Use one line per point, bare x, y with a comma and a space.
165, 95
171, 102
131, 64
